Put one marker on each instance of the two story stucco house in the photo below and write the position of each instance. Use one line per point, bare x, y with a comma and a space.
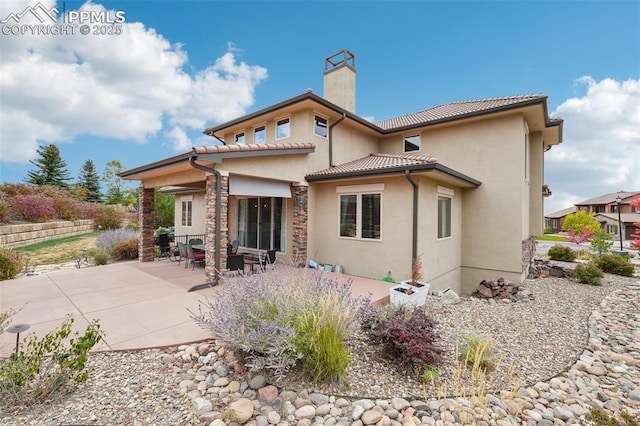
458, 185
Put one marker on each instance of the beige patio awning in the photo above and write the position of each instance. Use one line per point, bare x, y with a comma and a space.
256, 187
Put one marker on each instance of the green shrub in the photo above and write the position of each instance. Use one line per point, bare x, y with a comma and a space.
597, 417
428, 373
562, 253
101, 257
47, 364
279, 321
388, 278
133, 226
477, 352
11, 263
588, 274
601, 242
125, 250
548, 230
615, 264
108, 217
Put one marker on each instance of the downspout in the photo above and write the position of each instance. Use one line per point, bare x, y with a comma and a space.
331, 138
216, 257
414, 242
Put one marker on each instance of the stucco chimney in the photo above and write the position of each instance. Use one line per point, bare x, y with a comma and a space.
340, 79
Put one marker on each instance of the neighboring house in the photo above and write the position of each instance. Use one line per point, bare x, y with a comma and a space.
460, 185
555, 220
605, 209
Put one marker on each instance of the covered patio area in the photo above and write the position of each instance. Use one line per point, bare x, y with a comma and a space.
139, 304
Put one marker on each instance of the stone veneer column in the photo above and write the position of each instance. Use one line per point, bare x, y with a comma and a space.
211, 217
528, 252
146, 219
300, 195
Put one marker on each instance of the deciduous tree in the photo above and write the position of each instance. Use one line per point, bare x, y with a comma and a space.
579, 221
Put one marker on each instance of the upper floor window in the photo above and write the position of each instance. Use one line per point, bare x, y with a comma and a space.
412, 143
240, 138
614, 208
320, 126
260, 135
283, 128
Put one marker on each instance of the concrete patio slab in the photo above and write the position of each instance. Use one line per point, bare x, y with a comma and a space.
138, 304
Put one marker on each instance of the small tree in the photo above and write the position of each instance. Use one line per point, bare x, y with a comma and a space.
165, 209
117, 191
601, 242
579, 221
89, 179
50, 168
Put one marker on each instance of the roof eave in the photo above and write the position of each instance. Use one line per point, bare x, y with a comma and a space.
219, 157
129, 174
423, 168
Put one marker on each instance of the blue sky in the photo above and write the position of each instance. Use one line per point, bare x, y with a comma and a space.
180, 66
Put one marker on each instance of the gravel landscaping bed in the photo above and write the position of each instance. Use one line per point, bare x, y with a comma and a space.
533, 341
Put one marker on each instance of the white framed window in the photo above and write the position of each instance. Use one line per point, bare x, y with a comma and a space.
320, 126
187, 210
240, 138
260, 135
283, 128
412, 143
445, 196
360, 212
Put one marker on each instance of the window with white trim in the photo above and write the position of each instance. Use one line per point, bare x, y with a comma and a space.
445, 195
240, 138
412, 143
260, 135
320, 126
187, 210
283, 128
360, 215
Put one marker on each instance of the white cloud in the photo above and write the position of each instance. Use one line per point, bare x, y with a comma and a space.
56, 88
601, 147
178, 139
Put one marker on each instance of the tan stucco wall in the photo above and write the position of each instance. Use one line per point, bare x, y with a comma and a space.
198, 225
373, 259
496, 214
536, 201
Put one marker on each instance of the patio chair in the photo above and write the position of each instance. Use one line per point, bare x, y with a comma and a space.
164, 245
194, 256
235, 262
182, 254
268, 259
232, 248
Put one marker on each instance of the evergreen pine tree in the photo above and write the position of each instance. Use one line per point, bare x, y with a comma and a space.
89, 179
50, 168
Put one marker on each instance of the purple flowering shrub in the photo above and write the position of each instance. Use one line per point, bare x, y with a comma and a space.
407, 334
108, 239
280, 320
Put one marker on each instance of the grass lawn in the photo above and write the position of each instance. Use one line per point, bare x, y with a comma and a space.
60, 250
550, 237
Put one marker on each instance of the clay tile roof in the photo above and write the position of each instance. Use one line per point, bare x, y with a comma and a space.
376, 162
456, 109
221, 149
608, 198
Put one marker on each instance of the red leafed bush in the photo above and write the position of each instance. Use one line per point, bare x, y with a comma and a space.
86, 210
407, 334
5, 208
32, 208
13, 189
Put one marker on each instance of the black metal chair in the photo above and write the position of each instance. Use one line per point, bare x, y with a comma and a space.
164, 245
182, 254
268, 258
235, 262
194, 256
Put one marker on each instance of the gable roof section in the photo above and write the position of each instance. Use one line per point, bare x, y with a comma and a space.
561, 213
388, 164
465, 109
435, 115
608, 198
624, 217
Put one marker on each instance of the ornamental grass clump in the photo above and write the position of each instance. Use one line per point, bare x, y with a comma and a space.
279, 321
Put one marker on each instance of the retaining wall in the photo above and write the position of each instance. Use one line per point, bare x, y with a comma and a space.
29, 233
